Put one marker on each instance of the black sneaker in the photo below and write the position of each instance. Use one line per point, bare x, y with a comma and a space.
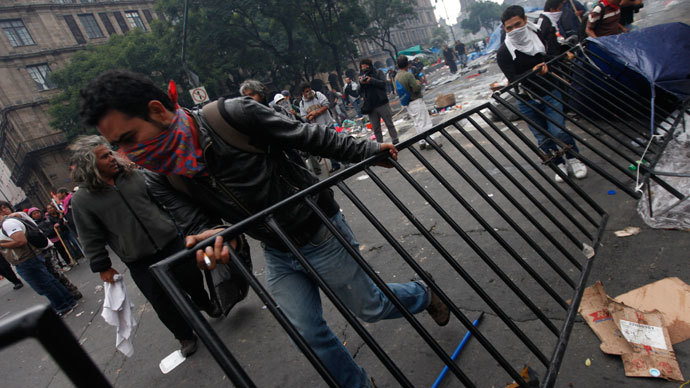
18, 286
189, 347
438, 310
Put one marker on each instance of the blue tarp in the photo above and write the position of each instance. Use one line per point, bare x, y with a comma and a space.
494, 40
661, 54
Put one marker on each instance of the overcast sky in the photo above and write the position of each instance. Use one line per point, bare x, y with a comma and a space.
453, 7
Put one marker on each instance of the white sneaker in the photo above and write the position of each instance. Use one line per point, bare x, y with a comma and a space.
579, 169
563, 167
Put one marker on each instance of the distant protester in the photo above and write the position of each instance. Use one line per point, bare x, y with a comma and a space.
524, 51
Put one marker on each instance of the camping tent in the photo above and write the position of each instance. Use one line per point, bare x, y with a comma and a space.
660, 54
412, 50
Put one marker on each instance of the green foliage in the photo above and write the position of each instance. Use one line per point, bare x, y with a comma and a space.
384, 15
482, 14
137, 51
439, 36
281, 43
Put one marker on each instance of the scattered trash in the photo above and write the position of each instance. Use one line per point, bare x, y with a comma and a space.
79, 314
529, 375
641, 338
611, 192
362, 177
629, 231
588, 362
588, 251
263, 307
171, 361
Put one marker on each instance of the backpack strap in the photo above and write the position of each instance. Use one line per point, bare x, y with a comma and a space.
219, 119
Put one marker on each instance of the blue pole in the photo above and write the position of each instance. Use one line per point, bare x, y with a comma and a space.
456, 352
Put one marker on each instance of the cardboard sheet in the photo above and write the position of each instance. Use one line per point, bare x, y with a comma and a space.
671, 296
641, 338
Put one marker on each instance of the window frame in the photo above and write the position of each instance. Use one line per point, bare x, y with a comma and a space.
17, 35
42, 72
131, 17
90, 27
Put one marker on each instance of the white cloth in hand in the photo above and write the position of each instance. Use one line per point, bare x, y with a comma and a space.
117, 311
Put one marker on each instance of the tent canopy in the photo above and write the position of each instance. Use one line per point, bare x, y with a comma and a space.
660, 54
412, 50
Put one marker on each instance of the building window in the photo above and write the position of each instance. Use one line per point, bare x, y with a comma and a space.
148, 16
106, 22
76, 32
17, 34
91, 27
121, 22
135, 20
39, 73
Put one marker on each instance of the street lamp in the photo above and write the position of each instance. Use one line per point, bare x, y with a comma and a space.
447, 18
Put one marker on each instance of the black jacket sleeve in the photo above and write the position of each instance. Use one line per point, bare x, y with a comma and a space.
189, 217
267, 129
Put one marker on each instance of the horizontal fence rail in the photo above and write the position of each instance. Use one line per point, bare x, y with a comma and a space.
529, 263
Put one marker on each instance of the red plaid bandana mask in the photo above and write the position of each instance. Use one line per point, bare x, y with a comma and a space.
175, 151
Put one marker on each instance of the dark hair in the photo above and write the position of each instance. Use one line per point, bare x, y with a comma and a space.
552, 4
123, 91
403, 62
305, 85
62, 190
512, 11
6, 204
366, 61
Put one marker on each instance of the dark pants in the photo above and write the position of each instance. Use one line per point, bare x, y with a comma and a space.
383, 112
53, 267
7, 272
64, 260
189, 277
34, 272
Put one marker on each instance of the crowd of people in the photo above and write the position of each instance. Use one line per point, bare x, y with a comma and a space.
161, 178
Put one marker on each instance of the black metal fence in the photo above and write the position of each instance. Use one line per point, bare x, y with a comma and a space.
42, 324
531, 259
617, 118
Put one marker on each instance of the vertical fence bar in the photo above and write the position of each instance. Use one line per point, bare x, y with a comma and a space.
530, 178
522, 189
458, 268
41, 323
432, 285
344, 310
228, 363
506, 279
537, 168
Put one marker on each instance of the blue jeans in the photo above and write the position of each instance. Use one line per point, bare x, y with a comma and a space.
34, 272
357, 104
545, 143
299, 297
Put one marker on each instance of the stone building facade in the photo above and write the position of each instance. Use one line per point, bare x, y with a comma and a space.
37, 37
415, 31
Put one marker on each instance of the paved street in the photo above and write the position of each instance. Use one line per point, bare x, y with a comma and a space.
265, 351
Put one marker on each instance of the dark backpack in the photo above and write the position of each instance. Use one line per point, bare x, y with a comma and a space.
34, 236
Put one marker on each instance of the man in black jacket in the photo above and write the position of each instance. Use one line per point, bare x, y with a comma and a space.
113, 207
526, 49
373, 85
235, 183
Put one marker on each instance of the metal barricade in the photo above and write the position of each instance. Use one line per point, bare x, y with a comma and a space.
41, 323
533, 254
617, 126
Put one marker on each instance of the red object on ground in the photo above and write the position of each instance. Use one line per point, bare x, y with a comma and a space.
472, 76
338, 129
369, 126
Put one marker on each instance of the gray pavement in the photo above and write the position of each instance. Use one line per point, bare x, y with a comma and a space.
268, 356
